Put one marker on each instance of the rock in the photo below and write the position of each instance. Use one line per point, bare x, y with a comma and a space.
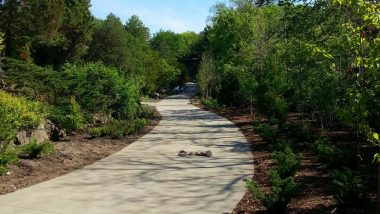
8, 173
208, 154
63, 136
100, 118
21, 138
183, 153
39, 135
25, 137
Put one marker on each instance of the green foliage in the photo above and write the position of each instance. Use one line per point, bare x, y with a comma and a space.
207, 76
268, 133
18, 112
9, 156
301, 133
96, 132
348, 187
334, 156
48, 32
210, 103
34, 149
287, 162
69, 116
282, 190
119, 128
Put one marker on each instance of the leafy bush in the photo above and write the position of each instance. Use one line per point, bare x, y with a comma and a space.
96, 131
7, 157
119, 128
17, 112
302, 134
267, 132
34, 149
210, 103
282, 190
68, 116
348, 187
280, 145
332, 155
287, 162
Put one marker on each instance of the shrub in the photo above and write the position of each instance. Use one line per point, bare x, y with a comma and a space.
287, 162
302, 134
282, 190
332, 155
17, 112
267, 132
7, 157
280, 145
68, 116
210, 103
33, 149
348, 187
96, 131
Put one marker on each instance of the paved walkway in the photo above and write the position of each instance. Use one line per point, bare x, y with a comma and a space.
148, 176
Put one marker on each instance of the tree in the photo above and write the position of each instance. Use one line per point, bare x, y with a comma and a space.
207, 76
137, 29
110, 43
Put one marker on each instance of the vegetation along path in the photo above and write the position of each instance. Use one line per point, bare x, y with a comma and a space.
149, 176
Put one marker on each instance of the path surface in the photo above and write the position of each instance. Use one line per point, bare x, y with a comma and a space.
148, 176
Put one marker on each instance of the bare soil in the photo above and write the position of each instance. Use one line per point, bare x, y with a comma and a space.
69, 156
315, 194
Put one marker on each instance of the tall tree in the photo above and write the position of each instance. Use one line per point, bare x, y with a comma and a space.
137, 29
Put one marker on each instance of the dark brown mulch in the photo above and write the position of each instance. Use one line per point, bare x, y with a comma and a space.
315, 191
68, 156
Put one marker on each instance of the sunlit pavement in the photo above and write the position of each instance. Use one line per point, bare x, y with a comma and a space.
148, 176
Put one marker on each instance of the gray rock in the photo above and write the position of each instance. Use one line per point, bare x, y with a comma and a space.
22, 138
39, 135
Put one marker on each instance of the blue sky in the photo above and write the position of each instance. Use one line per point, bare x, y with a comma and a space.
176, 15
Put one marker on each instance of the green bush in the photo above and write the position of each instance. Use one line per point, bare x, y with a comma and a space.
280, 145
96, 132
34, 149
266, 132
332, 155
68, 116
287, 162
348, 187
210, 103
7, 157
17, 112
282, 191
302, 134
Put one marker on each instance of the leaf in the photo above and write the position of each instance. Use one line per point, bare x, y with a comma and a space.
376, 136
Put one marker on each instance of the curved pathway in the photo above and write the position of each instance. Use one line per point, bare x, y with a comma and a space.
148, 176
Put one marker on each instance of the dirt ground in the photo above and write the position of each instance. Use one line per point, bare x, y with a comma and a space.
315, 191
68, 156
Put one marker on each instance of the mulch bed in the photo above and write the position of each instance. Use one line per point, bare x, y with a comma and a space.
315, 194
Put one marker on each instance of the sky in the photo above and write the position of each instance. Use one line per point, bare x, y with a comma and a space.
176, 15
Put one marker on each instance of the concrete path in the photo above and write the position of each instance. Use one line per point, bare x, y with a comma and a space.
148, 176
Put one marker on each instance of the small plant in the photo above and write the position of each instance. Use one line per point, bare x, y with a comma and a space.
210, 103
301, 133
282, 190
287, 162
34, 149
6, 158
280, 145
348, 187
267, 132
332, 155
96, 132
